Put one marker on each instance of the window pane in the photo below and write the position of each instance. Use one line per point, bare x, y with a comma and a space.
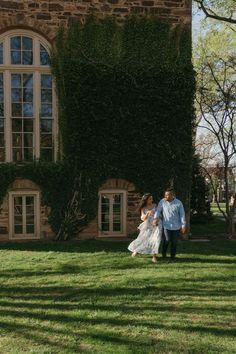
15, 57
30, 229
27, 43
1, 125
116, 227
28, 80
46, 110
28, 125
1, 80
16, 43
18, 201
46, 81
16, 110
46, 96
17, 154
28, 140
105, 227
46, 125
1, 53
1, 93
18, 219
16, 80
18, 209
2, 154
28, 95
29, 219
18, 229
28, 110
16, 125
1, 140
27, 57
29, 200
44, 57
17, 140
46, 140
1, 110
16, 95
30, 209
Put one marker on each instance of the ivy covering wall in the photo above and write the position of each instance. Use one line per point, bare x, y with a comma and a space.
125, 97
126, 101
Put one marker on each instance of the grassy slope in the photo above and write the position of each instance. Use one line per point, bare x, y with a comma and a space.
92, 297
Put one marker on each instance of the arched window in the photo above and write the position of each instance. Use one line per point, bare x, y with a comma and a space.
27, 99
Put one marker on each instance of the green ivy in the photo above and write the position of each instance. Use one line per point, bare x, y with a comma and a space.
126, 101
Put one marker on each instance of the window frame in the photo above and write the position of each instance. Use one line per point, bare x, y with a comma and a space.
7, 68
122, 233
22, 193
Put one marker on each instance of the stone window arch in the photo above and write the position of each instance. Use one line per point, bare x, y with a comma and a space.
28, 126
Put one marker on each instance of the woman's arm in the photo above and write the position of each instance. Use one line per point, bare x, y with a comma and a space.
145, 216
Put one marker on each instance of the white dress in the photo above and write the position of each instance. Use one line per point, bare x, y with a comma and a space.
149, 238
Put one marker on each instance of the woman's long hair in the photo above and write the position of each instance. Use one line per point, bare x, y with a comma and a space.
143, 202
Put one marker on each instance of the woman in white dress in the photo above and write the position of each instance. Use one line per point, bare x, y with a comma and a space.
149, 238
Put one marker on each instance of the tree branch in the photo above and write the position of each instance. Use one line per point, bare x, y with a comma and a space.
211, 14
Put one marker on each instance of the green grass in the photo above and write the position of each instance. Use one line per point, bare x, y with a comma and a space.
214, 226
214, 207
92, 297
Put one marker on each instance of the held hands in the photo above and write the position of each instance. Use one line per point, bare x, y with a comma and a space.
155, 222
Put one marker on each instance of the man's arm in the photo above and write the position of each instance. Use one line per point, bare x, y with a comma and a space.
157, 213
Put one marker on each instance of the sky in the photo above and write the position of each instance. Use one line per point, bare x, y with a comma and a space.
198, 16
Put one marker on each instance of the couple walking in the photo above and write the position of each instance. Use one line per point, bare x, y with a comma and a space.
167, 218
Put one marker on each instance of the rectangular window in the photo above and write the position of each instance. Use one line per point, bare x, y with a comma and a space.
112, 218
22, 112
2, 121
23, 216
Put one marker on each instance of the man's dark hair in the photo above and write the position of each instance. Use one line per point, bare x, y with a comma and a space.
171, 190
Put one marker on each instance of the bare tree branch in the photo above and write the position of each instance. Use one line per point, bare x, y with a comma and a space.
211, 14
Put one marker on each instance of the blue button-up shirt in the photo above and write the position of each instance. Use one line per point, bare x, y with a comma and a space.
172, 214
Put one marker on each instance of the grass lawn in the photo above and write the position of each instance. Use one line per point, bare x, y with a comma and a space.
214, 207
92, 297
211, 227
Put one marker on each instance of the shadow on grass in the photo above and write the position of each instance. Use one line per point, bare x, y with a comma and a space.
77, 320
216, 247
76, 294
40, 320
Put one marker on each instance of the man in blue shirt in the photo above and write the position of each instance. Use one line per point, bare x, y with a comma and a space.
171, 211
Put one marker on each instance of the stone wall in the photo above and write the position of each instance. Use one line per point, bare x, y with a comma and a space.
46, 16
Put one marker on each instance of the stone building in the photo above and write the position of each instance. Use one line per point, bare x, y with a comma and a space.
28, 109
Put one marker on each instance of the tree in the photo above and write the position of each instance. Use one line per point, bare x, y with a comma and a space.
200, 205
221, 10
216, 97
